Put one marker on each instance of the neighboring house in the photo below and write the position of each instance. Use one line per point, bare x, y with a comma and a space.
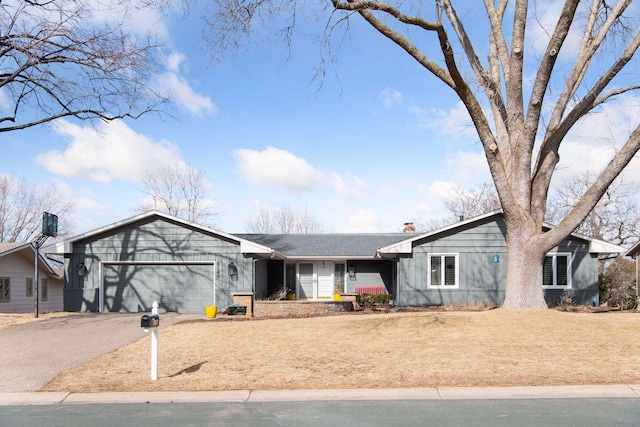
156, 257
635, 253
17, 271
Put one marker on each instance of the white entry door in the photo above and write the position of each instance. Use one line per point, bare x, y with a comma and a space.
315, 280
324, 272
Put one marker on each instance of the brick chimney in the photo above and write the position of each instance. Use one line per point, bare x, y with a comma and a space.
409, 227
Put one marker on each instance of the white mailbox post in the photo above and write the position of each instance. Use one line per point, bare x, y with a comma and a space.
151, 322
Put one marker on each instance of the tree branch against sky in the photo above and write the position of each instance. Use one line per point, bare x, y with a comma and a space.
283, 220
22, 205
60, 59
615, 218
181, 191
535, 87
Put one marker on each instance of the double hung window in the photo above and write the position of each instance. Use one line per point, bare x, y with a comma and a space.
556, 271
443, 271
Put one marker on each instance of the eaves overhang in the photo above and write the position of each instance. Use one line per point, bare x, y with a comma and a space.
246, 246
634, 251
406, 246
31, 251
329, 258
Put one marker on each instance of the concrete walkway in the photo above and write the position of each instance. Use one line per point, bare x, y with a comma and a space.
34, 353
239, 396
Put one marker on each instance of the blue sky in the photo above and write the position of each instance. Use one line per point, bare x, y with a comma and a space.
381, 143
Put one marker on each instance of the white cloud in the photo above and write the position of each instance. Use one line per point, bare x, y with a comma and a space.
390, 96
594, 141
539, 32
142, 19
280, 168
173, 62
137, 16
435, 194
360, 221
277, 168
350, 187
5, 102
454, 122
112, 151
468, 165
89, 204
181, 91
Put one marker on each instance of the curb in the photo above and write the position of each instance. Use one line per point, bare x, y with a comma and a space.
244, 396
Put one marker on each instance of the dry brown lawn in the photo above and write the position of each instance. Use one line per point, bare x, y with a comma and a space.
420, 349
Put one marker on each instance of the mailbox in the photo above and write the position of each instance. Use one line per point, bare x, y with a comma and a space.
150, 321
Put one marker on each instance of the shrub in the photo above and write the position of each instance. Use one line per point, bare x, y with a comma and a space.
369, 300
617, 284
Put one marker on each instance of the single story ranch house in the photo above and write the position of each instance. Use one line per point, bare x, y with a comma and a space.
17, 280
125, 266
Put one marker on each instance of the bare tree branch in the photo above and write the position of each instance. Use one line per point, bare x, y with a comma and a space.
283, 220
55, 63
22, 205
180, 191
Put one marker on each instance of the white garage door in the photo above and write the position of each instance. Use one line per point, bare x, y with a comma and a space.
134, 287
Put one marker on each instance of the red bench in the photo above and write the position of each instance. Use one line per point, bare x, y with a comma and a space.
376, 290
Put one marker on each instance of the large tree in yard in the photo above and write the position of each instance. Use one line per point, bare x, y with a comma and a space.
73, 58
523, 101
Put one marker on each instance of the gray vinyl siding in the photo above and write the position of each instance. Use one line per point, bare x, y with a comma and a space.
18, 269
481, 280
371, 273
584, 270
183, 258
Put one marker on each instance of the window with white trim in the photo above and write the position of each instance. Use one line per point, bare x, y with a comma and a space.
443, 271
556, 271
5, 290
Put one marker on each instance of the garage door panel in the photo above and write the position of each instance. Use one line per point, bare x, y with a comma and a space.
133, 288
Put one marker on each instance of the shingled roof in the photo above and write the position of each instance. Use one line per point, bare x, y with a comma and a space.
326, 245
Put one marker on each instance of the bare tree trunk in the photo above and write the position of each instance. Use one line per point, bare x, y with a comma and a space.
525, 259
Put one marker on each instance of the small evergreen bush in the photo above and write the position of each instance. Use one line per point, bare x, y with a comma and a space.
369, 300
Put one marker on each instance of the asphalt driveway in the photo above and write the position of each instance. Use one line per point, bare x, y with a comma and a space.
34, 353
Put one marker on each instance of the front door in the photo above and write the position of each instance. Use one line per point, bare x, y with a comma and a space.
324, 274
315, 280
306, 281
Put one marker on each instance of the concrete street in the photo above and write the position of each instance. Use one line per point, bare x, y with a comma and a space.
476, 413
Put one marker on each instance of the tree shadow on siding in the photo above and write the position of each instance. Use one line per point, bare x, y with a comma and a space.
154, 241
